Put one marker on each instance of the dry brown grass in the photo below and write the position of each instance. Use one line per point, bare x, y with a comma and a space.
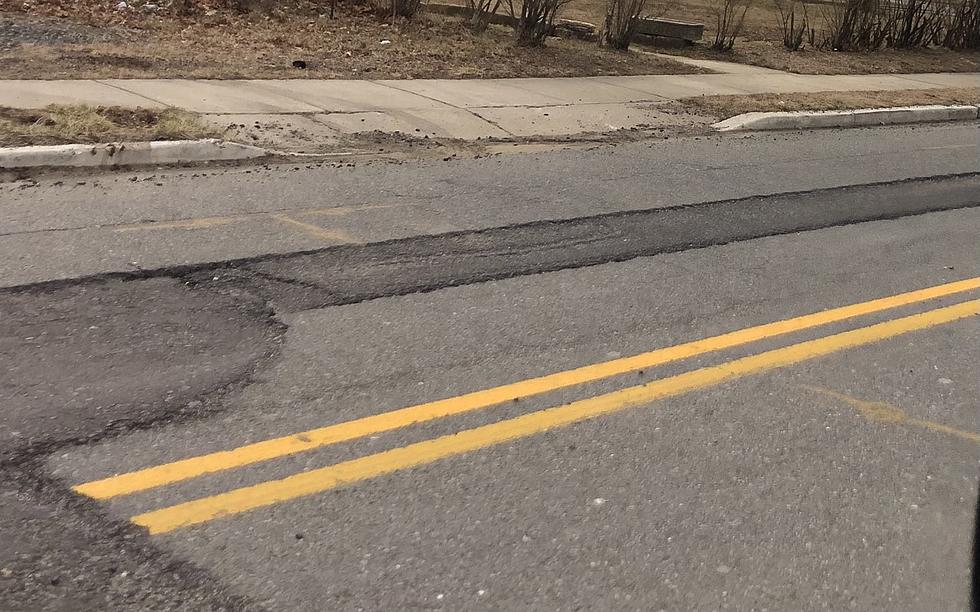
723, 107
60, 124
818, 61
229, 45
232, 46
760, 43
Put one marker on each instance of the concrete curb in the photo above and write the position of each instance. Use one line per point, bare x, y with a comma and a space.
127, 153
851, 118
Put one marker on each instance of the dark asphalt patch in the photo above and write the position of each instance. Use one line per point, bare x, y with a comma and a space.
76, 357
61, 553
76, 362
350, 274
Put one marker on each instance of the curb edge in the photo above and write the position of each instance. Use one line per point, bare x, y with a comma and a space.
863, 117
107, 155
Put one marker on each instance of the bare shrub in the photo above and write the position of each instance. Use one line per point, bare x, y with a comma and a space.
535, 20
915, 23
480, 12
963, 28
729, 19
794, 25
857, 25
619, 26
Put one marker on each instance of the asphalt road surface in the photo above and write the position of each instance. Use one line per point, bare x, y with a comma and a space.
723, 373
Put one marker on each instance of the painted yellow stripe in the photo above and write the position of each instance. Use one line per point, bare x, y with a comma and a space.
184, 469
323, 479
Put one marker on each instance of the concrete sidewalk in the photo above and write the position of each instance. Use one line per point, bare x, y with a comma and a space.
468, 110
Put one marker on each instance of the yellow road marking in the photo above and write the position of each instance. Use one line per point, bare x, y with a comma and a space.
192, 467
886, 413
334, 235
371, 466
189, 224
206, 222
340, 211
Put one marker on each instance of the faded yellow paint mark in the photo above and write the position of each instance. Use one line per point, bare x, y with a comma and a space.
340, 211
882, 412
192, 467
949, 147
323, 233
187, 224
323, 479
207, 222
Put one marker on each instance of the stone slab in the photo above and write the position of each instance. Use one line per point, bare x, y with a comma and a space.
38, 94
209, 96
670, 28
676, 87
868, 82
346, 96
966, 79
589, 90
718, 66
474, 93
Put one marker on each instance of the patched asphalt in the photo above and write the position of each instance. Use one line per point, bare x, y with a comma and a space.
775, 491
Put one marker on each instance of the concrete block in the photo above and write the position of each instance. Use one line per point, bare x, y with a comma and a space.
126, 154
670, 28
848, 118
456, 10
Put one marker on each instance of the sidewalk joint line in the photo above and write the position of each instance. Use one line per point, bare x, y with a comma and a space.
132, 93
461, 108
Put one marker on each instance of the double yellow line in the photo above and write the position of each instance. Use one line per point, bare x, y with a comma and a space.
271, 492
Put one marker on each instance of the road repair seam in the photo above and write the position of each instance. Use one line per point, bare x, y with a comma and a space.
160, 475
363, 468
643, 245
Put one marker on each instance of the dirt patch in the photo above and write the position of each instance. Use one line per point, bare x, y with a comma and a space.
58, 124
354, 45
20, 29
723, 107
360, 44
